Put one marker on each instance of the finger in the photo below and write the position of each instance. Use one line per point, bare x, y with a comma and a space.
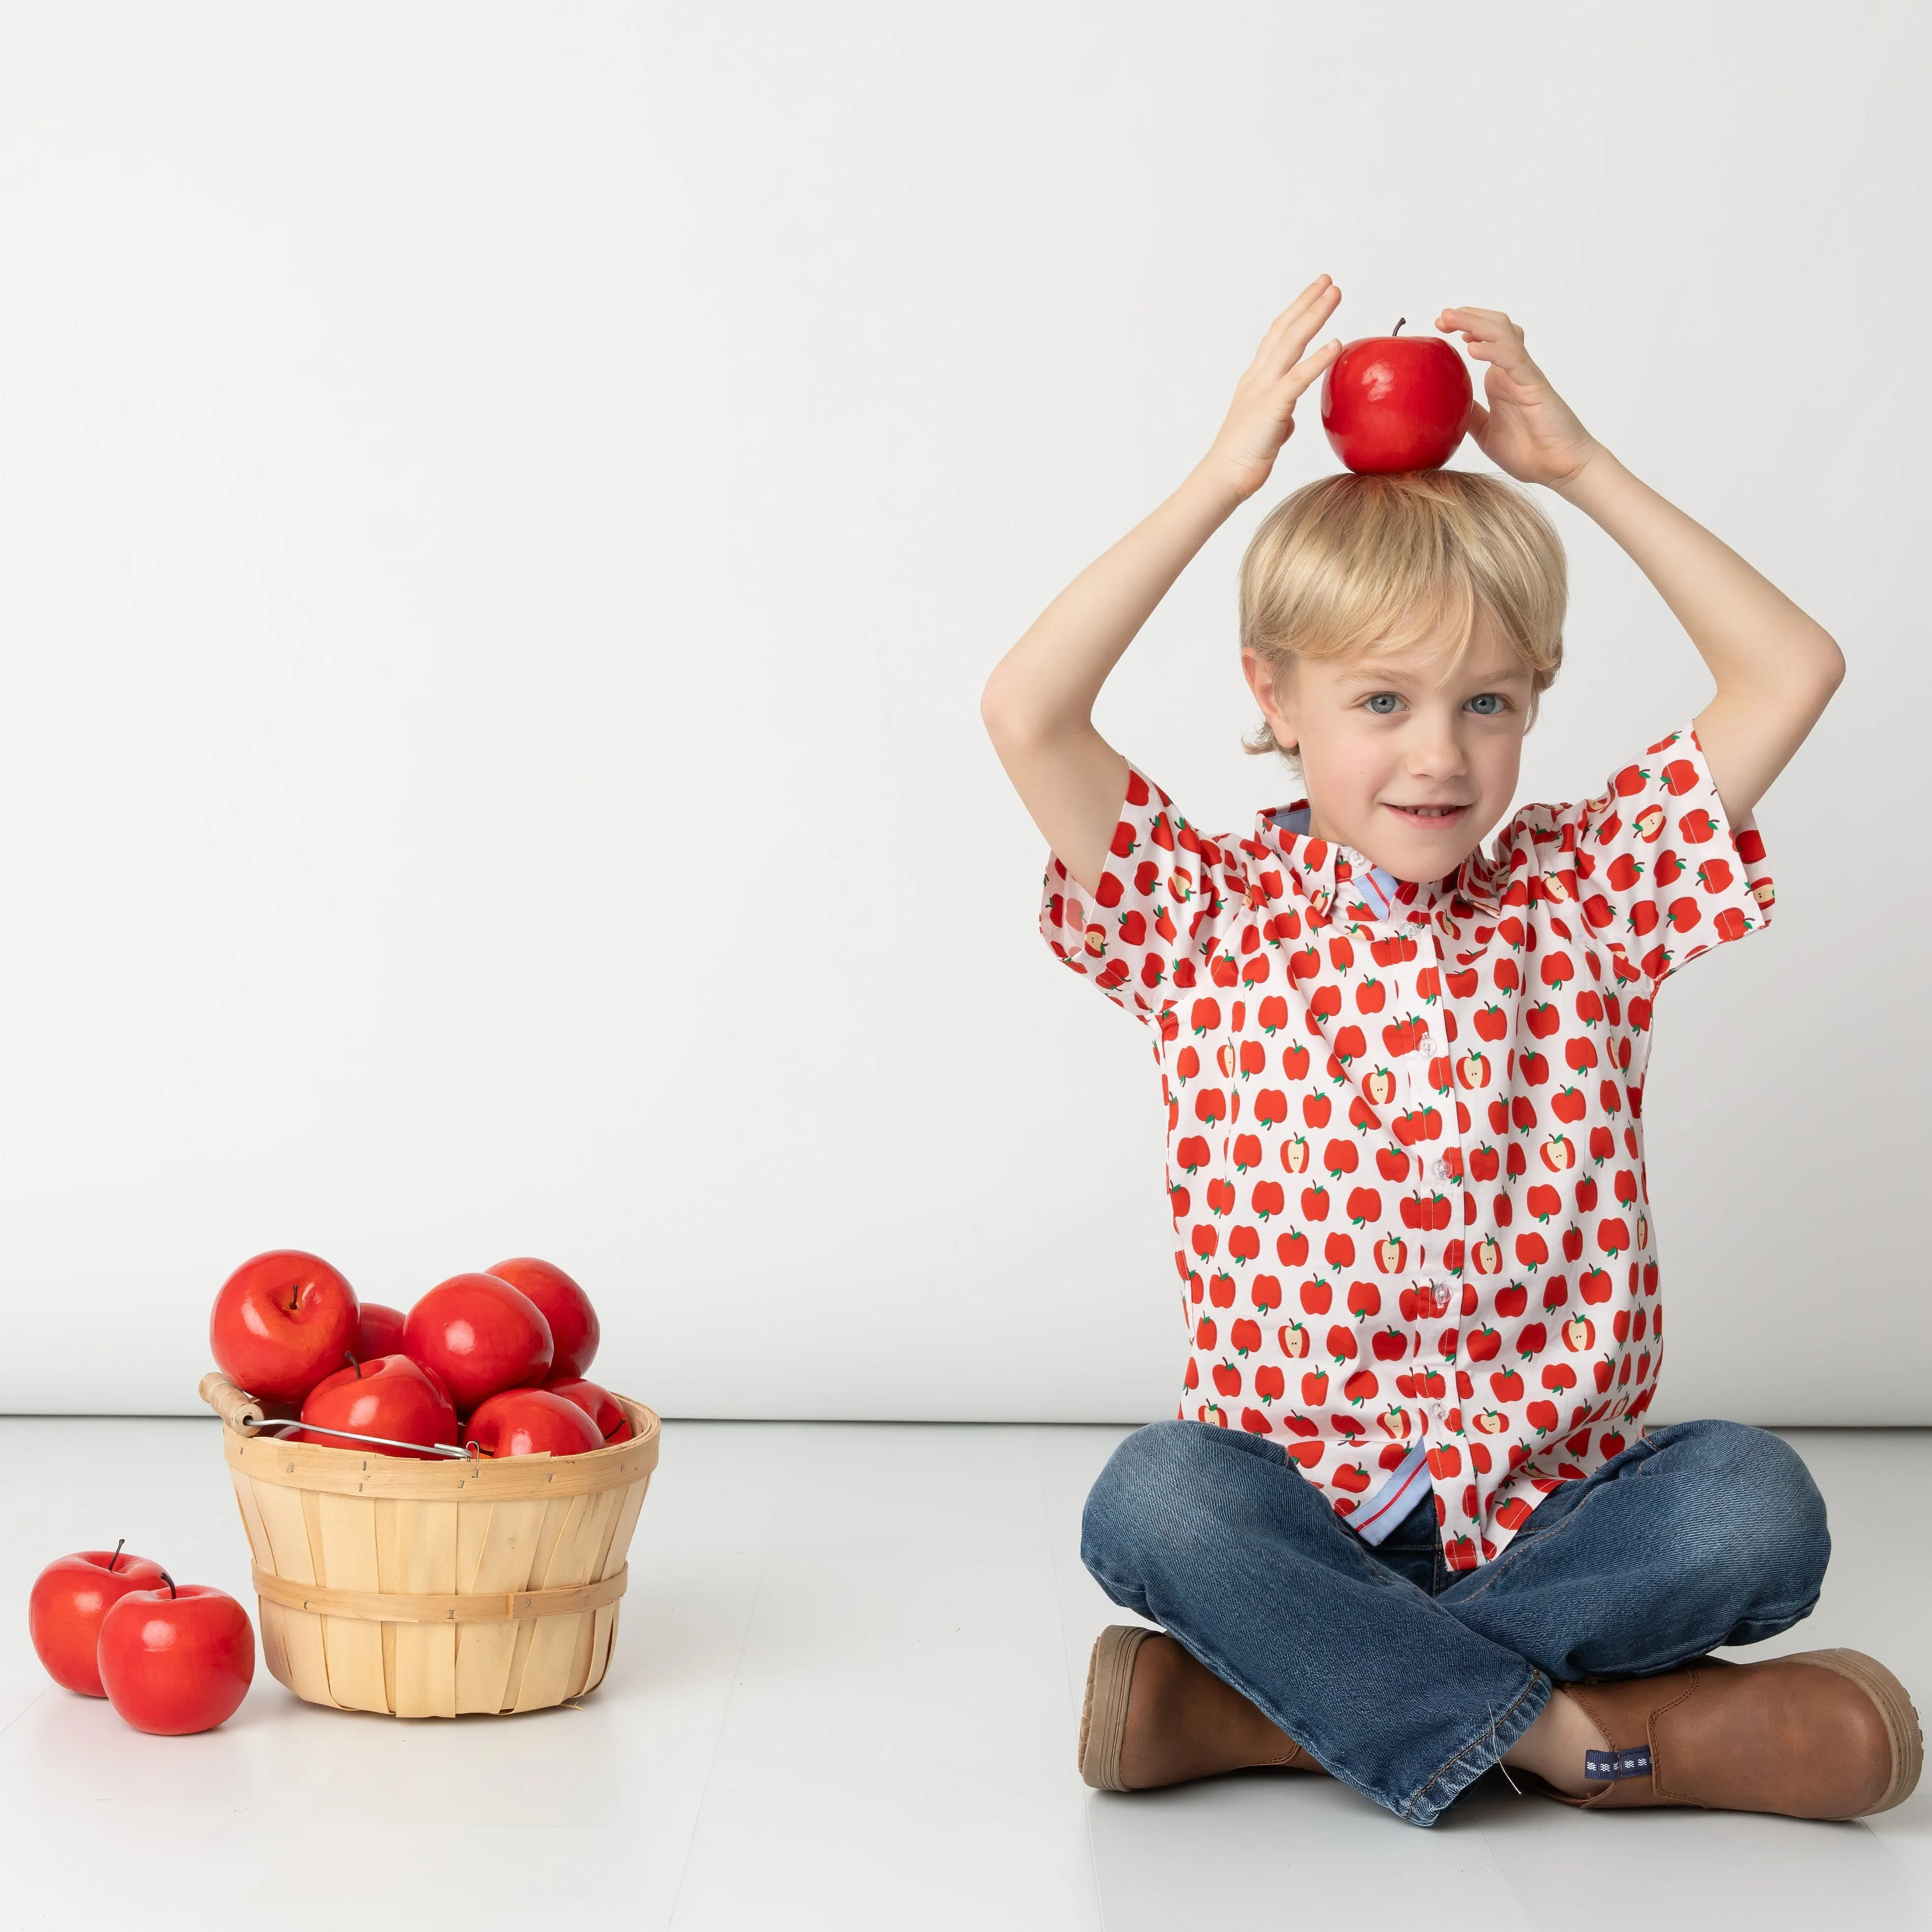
1493, 339
1311, 368
1476, 326
1503, 346
1313, 292
1304, 315
1510, 357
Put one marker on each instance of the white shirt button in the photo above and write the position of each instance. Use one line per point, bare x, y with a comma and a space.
1440, 1169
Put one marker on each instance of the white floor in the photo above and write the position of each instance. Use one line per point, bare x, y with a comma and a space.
845, 1695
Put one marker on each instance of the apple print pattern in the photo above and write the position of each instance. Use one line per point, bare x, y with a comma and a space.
1405, 1157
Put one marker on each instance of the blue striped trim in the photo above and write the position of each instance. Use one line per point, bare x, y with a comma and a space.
1380, 1513
1375, 883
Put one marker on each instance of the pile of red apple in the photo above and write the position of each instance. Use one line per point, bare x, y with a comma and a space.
495, 1360
171, 1659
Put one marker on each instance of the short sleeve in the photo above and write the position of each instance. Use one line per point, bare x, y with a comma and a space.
1661, 875
1164, 895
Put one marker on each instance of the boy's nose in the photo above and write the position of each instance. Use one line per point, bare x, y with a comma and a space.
1435, 752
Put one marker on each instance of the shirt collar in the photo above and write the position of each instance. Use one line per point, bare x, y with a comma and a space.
1353, 885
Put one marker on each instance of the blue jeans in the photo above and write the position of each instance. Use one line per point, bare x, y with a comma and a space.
1409, 1680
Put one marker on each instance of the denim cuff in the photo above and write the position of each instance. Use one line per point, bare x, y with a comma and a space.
1482, 1751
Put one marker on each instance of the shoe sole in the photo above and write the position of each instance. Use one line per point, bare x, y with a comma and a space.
1103, 1715
1895, 1707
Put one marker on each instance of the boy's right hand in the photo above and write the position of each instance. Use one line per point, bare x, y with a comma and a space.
1262, 417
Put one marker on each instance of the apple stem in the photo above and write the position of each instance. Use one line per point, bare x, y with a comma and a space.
1397, 329
116, 1557
170, 1581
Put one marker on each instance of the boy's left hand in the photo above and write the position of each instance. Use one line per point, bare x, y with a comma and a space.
1528, 431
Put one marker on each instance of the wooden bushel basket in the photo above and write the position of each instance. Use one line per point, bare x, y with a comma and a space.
431, 1589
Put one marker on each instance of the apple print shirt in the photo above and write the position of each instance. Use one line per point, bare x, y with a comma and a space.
1404, 1127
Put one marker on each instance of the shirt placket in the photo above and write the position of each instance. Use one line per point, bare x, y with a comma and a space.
1442, 1170
1413, 1095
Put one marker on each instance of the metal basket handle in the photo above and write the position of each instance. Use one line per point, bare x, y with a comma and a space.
243, 1414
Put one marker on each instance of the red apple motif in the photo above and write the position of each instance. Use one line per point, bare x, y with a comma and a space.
532, 1422
65, 1608
480, 1335
178, 1659
281, 1322
1559, 1151
392, 1396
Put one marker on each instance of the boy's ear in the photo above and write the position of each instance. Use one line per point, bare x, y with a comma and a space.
1274, 692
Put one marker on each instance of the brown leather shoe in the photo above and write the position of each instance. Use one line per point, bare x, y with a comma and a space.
1154, 1716
1821, 1734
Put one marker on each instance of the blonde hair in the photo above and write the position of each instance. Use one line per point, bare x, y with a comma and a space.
1352, 562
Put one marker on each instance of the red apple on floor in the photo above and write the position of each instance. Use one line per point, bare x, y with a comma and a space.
527, 1422
480, 1335
392, 1397
176, 1659
574, 1330
381, 1332
281, 1322
597, 1402
1396, 402
65, 1607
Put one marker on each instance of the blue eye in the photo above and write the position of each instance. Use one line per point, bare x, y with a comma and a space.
1487, 703
1384, 704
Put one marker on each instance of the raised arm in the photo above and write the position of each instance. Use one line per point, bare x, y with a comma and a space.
1038, 704
1775, 667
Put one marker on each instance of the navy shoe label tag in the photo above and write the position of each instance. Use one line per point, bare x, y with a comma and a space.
1611, 1765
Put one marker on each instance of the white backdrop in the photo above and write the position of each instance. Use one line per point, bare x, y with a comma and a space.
505, 512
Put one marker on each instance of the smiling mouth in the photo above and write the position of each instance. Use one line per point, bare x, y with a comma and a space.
1428, 815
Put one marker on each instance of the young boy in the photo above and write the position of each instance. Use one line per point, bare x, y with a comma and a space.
1408, 1522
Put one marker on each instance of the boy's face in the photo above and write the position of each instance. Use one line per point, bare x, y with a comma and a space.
1410, 761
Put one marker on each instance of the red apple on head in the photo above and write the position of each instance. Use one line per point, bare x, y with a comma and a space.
65, 1607
528, 1422
573, 1329
392, 1397
597, 1402
480, 1335
1396, 402
381, 1332
281, 1322
176, 1659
